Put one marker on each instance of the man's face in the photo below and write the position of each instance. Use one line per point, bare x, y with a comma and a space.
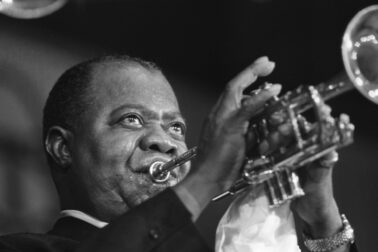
134, 121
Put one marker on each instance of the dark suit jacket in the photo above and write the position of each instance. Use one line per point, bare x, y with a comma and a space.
159, 224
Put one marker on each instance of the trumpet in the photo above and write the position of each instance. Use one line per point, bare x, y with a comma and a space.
311, 141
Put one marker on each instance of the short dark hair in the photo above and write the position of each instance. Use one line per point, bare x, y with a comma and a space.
69, 98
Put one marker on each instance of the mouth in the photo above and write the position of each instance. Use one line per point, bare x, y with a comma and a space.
173, 179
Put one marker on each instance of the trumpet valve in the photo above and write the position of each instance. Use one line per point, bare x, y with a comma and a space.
284, 186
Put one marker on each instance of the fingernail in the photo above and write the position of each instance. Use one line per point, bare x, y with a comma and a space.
262, 59
275, 89
344, 118
266, 85
272, 88
271, 64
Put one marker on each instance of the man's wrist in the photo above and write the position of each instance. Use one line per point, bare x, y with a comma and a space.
323, 221
345, 236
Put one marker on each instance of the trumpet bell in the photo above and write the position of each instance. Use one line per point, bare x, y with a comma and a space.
360, 52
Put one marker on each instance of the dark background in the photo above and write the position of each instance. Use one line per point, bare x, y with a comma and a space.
200, 45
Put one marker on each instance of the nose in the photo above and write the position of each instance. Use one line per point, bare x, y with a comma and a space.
158, 140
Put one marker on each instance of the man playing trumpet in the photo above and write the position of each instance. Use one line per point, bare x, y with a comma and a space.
106, 120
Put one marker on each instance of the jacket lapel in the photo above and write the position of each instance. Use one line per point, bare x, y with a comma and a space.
73, 228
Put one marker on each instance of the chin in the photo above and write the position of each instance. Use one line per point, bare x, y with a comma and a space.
147, 191
139, 199
111, 211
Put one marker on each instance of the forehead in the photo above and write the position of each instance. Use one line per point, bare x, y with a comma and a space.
114, 85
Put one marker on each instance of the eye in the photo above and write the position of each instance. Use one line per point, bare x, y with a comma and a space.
131, 120
178, 128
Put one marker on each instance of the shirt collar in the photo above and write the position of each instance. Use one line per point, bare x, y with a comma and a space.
84, 217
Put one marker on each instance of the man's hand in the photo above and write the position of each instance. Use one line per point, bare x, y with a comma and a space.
318, 208
222, 146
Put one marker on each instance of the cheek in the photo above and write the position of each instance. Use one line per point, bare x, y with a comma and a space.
181, 147
137, 189
105, 155
117, 147
105, 165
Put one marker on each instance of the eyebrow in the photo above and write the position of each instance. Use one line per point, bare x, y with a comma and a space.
167, 116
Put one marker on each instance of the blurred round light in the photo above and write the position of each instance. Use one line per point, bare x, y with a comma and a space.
28, 9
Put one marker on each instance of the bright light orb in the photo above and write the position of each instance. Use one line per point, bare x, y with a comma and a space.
28, 9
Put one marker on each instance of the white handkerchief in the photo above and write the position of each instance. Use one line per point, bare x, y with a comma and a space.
249, 225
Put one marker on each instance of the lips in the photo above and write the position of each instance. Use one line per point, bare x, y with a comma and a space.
145, 164
144, 168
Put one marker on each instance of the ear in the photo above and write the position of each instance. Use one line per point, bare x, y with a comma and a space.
57, 146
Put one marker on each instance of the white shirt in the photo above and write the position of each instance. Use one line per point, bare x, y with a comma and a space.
84, 217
